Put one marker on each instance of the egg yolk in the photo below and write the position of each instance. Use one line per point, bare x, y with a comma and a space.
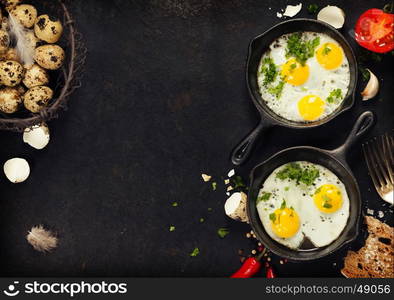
285, 222
329, 56
294, 73
311, 107
328, 198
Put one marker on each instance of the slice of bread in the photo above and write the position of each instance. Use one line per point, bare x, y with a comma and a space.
376, 258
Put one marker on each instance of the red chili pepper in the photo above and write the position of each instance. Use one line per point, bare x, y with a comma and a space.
270, 272
250, 267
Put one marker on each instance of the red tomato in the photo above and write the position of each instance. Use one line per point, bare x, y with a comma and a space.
374, 30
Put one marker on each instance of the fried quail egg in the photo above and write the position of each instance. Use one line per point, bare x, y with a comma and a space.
308, 87
303, 201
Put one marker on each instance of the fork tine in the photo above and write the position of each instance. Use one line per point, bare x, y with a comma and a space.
375, 150
381, 159
387, 152
370, 164
389, 143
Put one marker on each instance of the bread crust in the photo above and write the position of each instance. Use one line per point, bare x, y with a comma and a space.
376, 258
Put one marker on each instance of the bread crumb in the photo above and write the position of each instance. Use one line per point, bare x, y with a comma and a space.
370, 211
206, 177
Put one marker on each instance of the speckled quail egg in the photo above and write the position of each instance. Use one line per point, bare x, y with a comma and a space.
50, 57
48, 29
10, 100
4, 41
10, 3
11, 73
26, 14
5, 24
37, 97
35, 76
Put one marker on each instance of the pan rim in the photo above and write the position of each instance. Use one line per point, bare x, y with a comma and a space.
273, 118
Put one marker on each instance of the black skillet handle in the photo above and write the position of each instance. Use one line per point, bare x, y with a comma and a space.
241, 153
363, 123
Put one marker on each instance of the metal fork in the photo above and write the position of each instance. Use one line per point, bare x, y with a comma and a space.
378, 154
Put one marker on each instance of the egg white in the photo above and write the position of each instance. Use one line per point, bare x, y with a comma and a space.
319, 83
320, 228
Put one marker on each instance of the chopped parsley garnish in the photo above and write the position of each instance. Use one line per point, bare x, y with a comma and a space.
174, 204
269, 70
277, 90
364, 73
283, 205
287, 188
273, 217
327, 201
295, 172
326, 50
237, 182
264, 197
222, 232
318, 190
334, 96
312, 8
214, 186
195, 252
172, 228
301, 49
293, 66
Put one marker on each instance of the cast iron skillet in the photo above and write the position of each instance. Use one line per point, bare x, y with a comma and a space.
257, 47
334, 160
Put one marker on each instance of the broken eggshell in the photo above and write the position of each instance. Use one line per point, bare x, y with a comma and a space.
37, 136
235, 207
372, 87
332, 15
16, 170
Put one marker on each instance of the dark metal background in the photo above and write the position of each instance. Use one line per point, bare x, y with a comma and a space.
163, 100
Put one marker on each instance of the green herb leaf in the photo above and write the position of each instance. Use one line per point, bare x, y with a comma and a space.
283, 205
172, 228
295, 172
195, 252
273, 217
364, 73
312, 8
277, 90
318, 190
287, 188
335, 95
264, 197
214, 186
327, 205
269, 70
301, 49
237, 182
326, 50
222, 232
